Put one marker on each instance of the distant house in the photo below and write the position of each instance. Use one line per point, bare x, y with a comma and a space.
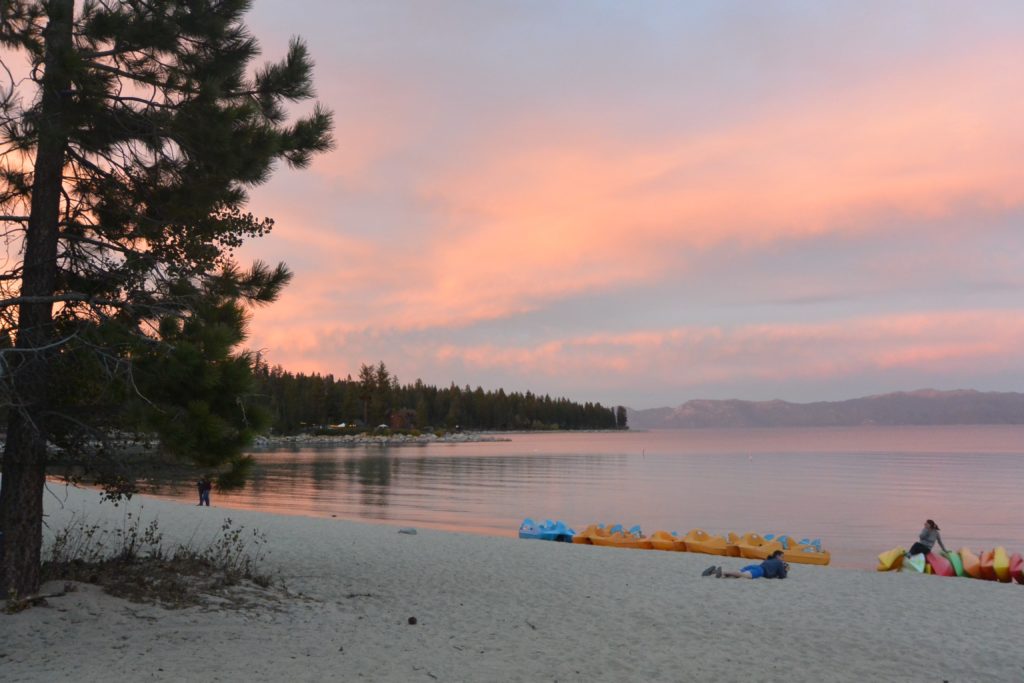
403, 418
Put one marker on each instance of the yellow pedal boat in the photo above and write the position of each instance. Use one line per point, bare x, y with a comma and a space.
623, 539
664, 540
754, 547
587, 535
700, 541
732, 548
806, 554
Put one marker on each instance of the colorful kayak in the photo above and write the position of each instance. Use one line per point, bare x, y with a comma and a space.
988, 570
700, 541
958, 565
915, 563
1017, 567
891, 560
939, 564
971, 563
1001, 564
991, 565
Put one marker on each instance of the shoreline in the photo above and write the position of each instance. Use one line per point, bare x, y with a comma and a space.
367, 439
504, 609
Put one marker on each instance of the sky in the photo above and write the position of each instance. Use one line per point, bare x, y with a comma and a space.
645, 202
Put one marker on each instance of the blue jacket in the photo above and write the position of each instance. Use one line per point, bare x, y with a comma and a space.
774, 569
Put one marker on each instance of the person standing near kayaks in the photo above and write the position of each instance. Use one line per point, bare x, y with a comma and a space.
927, 539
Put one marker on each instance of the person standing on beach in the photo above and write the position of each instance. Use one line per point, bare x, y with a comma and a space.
204, 485
927, 539
772, 568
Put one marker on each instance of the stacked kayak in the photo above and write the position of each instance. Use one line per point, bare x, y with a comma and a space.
988, 565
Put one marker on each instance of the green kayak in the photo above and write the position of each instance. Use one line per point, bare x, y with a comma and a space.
954, 559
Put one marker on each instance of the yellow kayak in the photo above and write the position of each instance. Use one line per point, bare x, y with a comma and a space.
1001, 564
891, 560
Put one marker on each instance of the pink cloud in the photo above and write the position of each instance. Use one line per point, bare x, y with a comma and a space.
523, 212
519, 221
695, 356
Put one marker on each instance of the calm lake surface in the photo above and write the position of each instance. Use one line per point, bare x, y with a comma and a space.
861, 490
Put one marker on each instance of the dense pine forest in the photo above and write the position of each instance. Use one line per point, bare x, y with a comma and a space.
316, 402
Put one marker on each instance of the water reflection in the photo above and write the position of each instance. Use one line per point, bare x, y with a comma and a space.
862, 491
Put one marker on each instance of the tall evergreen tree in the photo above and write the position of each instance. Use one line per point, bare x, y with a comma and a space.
126, 156
621, 418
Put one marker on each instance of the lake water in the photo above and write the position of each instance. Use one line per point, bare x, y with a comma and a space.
861, 490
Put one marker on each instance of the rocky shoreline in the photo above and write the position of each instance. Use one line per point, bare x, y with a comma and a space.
372, 440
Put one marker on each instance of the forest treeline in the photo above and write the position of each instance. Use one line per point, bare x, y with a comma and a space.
300, 402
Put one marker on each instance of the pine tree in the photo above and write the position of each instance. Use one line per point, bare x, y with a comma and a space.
124, 178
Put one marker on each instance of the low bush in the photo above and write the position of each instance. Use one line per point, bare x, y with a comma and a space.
134, 562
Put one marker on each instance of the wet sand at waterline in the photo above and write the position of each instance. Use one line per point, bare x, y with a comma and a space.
503, 609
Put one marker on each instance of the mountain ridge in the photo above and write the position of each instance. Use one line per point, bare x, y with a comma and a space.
918, 407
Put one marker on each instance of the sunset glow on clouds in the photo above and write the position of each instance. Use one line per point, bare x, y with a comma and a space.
649, 206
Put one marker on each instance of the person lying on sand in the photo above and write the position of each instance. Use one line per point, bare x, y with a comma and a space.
772, 568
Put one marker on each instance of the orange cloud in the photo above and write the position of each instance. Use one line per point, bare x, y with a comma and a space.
548, 214
528, 212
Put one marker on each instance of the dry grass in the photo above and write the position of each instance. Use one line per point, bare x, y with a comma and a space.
134, 563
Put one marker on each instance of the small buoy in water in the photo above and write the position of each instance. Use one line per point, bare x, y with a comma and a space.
412, 621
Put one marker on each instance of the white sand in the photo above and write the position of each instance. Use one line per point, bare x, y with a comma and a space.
500, 609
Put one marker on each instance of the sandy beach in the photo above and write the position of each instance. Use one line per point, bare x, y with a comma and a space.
500, 609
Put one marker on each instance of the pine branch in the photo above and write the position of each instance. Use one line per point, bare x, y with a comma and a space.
141, 78
61, 298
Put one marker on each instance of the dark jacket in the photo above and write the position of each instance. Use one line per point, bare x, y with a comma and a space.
774, 569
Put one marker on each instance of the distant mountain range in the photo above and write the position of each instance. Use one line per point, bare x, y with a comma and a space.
923, 407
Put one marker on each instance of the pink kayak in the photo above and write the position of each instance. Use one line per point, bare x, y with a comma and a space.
940, 565
1017, 567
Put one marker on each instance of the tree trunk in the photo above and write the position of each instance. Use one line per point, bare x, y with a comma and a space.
24, 463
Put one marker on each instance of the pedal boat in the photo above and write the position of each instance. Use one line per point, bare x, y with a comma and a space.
700, 541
